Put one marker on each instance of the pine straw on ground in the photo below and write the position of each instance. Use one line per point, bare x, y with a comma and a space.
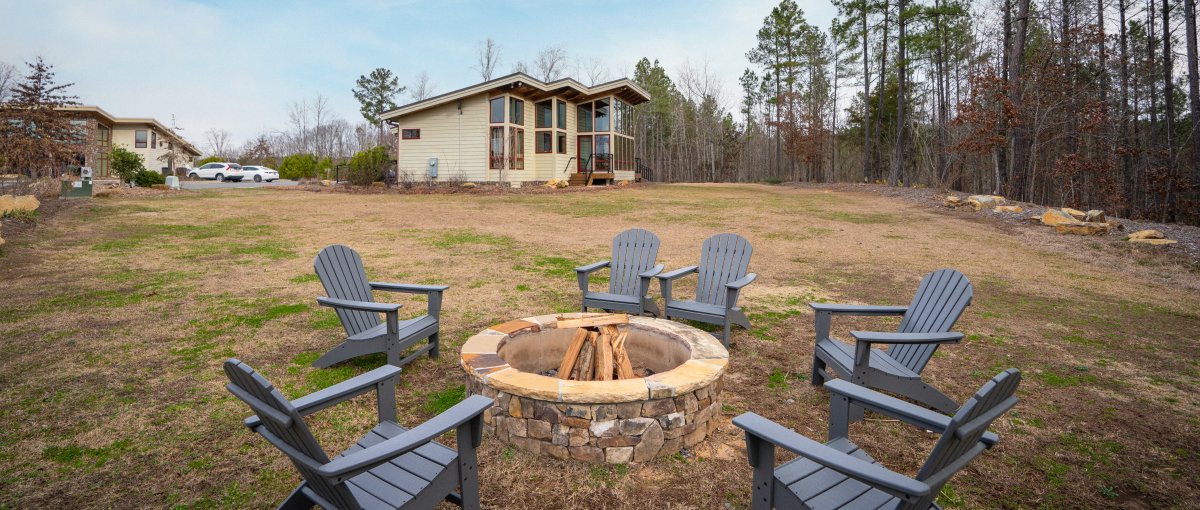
116, 314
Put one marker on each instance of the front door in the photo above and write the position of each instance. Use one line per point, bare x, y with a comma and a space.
585, 152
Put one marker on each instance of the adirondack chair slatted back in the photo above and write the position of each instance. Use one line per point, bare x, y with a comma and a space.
937, 305
723, 259
960, 442
634, 252
341, 272
286, 429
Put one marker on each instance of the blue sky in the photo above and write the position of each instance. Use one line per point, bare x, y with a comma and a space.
238, 65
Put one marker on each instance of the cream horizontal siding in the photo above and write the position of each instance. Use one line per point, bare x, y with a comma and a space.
123, 136
459, 139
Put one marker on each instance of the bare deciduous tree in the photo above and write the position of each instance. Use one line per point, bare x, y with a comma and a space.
218, 142
8, 80
422, 87
520, 67
489, 57
593, 69
550, 63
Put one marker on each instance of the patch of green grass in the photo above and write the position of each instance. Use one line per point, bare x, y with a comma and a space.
439, 401
22, 215
225, 317
778, 380
80, 456
305, 278
949, 497
522, 287
1053, 378
273, 250
1055, 471
858, 218
324, 318
455, 239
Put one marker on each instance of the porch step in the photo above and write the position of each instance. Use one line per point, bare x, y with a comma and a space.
578, 179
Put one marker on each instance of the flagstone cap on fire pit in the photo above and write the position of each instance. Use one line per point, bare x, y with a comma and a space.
481, 358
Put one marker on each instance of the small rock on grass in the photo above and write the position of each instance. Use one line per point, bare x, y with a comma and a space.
1147, 234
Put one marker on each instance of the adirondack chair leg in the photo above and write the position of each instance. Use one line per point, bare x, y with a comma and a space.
348, 349
739, 318
434, 343
468, 475
818, 372
725, 339
296, 501
762, 458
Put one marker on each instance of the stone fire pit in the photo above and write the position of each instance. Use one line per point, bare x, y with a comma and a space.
597, 421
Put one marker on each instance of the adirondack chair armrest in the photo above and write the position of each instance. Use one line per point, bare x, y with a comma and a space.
410, 288
732, 289
874, 474
876, 337
665, 279
339, 392
463, 413
906, 412
434, 292
839, 309
678, 273
582, 273
644, 279
362, 306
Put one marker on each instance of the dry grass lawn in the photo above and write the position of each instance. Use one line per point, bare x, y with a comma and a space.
116, 314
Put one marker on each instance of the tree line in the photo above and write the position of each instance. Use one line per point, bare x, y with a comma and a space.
1084, 103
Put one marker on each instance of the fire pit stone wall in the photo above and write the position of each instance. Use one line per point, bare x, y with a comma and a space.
620, 421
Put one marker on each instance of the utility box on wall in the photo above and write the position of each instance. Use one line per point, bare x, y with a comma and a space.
433, 168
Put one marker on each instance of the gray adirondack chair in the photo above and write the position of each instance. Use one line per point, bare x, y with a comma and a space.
937, 305
838, 474
390, 467
345, 281
632, 266
721, 275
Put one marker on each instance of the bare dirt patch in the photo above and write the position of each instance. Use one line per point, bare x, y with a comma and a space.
115, 317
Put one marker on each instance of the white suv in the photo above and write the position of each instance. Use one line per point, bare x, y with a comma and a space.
219, 171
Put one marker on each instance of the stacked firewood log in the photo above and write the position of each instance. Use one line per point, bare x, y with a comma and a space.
597, 351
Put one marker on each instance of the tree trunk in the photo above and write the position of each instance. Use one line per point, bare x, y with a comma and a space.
1019, 143
1189, 21
866, 40
1168, 213
898, 152
881, 91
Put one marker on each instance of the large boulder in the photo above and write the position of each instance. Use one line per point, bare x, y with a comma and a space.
1146, 234
1095, 216
1054, 217
1082, 228
1008, 208
978, 202
6, 203
26, 202
953, 201
1075, 213
1155, 242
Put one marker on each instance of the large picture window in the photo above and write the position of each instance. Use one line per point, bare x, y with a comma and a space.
542, 142
516, 114
496, 107
517, 148
544, 114
496, 146
139, 138
601, 115
584, 120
